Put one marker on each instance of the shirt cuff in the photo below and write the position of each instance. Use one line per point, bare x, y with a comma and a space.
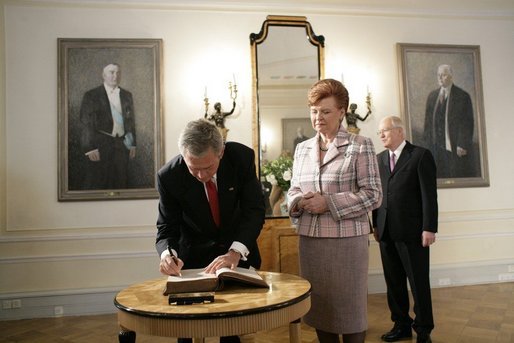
90, 152
241, 249
166, 253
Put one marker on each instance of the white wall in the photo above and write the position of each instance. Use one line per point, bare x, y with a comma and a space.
50, 249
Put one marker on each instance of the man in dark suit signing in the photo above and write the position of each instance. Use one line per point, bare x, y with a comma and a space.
211, 207
405, 226
108, 137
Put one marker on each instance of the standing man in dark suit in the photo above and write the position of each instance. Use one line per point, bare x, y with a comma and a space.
405, 226
191, 232
108, 137
449, 127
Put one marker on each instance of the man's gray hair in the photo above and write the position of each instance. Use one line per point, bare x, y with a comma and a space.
110, 64
446, 67
396, 121
198, 136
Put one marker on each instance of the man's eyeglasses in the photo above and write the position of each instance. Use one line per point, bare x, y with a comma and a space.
380, 132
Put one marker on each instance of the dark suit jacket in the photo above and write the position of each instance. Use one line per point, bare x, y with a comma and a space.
96, 116
409, 204
460, 118
185, 222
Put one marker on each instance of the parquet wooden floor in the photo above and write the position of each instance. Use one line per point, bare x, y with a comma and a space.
469, 314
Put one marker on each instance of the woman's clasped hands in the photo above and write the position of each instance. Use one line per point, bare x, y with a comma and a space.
313, 203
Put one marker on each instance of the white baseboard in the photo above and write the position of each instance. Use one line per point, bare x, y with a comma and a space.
455, 275
33, 305
101, 301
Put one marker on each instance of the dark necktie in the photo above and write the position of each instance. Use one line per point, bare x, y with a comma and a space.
392, 162
442, 97
212, 192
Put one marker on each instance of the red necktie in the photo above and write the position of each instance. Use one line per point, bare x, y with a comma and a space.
213, 201
392, 162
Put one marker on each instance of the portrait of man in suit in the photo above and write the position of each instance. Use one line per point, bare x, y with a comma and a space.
300, 137
448, 129
294, 131
444, 111
108, 136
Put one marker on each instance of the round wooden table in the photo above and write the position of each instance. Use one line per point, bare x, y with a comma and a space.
237, 310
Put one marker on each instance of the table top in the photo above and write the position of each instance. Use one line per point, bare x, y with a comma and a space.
147, 299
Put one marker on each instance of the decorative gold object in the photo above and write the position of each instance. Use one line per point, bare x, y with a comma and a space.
218, 116
352, 116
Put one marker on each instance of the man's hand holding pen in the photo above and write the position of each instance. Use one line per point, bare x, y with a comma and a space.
171, 265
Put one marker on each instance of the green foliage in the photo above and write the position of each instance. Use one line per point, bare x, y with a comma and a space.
279, 172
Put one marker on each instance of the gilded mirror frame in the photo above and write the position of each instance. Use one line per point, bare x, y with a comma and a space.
318, 42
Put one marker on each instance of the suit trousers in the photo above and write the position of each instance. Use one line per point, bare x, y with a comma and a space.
111, 172
404, 261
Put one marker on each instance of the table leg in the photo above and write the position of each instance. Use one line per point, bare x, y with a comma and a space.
294, 331
126, 336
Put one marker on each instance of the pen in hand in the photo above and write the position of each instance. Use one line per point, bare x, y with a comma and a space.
175, 259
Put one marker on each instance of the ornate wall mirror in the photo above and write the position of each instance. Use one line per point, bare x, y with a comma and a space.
287, 58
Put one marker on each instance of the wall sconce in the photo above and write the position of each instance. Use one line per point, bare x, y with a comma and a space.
352, 116
264, 147
265, 139
218, 116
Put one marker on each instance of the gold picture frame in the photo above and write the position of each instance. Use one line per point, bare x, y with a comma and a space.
81, 65
418, 66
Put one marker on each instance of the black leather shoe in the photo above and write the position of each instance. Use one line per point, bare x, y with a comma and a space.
397, 334
424, 338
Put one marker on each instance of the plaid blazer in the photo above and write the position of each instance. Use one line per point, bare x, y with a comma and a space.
349, 180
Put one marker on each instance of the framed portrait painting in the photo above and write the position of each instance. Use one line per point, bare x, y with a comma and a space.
443, 109
294, 131
110, 138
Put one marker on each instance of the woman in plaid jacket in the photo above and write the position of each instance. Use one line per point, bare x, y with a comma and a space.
335, 184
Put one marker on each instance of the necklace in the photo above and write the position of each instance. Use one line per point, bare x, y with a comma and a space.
320, 147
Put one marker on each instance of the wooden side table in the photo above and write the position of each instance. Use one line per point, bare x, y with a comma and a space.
236, 310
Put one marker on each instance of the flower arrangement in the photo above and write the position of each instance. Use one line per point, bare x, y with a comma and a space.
279, 172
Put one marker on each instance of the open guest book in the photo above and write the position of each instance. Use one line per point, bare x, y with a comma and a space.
196, 280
